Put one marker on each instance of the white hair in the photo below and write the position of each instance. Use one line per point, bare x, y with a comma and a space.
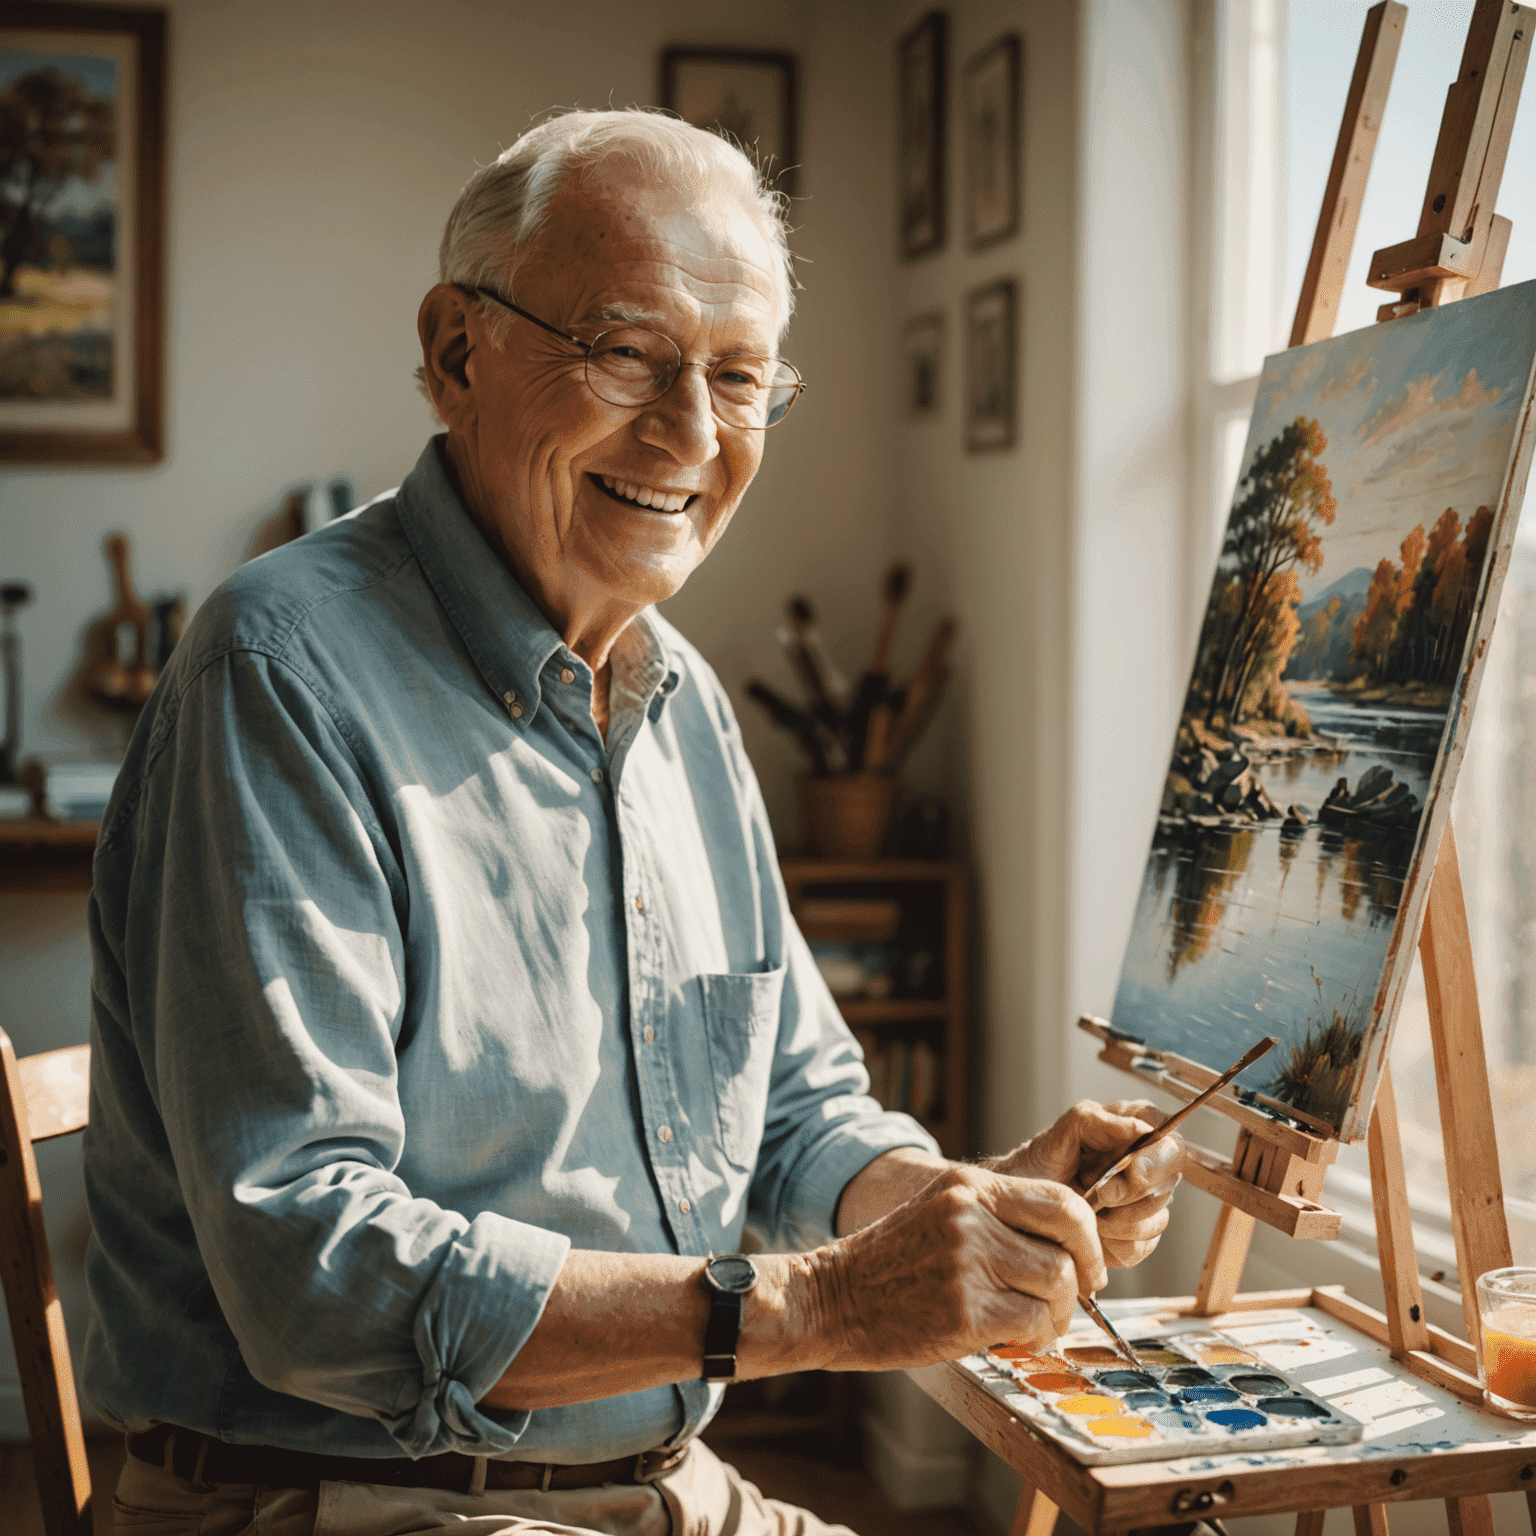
504, 206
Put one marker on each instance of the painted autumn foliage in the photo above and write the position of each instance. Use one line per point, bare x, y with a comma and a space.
1284, 501
1414, 626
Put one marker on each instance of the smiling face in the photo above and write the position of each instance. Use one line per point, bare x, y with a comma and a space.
602, 509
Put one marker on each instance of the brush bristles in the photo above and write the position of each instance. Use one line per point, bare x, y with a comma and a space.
897, 580
800, 610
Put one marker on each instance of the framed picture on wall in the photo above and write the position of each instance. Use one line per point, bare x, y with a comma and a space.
991, 366
82, 156
922, 350
749, 95
991, 128
920, 125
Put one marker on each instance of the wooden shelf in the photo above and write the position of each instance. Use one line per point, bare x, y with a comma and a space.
864, 1011
40, 856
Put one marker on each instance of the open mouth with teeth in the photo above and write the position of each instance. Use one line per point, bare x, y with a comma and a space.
629, 494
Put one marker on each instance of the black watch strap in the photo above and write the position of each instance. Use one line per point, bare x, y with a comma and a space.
720, 1335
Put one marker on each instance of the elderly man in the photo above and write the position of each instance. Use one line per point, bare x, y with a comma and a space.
448, 1011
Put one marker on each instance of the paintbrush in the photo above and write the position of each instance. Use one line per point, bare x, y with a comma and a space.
1095, 1190
802, 616
876, 681
1091, 1307
920, 697
796, 721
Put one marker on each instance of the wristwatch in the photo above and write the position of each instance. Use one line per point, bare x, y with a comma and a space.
727, 1278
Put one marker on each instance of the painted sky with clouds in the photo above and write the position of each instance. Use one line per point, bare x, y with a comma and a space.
1419, 415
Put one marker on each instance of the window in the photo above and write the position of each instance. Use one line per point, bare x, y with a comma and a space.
1273, 95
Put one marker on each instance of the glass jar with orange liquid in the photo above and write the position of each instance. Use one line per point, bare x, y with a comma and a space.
1506, 1341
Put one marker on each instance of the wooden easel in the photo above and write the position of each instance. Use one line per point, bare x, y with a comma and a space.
1276, 1171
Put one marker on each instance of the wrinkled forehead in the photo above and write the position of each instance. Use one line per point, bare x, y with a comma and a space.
620, 244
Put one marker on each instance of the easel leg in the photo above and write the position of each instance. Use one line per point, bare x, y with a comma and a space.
1224, 1261
1310, 1522
1036, 1515
1394, 1227
1470, 1517
1371, 1520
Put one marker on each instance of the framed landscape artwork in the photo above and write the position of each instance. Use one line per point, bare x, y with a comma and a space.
746, 94
990, 112
1330, 699
991, 366
921, 63
922, 346
82, 145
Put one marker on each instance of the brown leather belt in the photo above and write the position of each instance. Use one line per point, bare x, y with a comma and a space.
201, 1459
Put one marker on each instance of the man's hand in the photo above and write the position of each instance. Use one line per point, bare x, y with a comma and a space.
975, 1256
1082, 1144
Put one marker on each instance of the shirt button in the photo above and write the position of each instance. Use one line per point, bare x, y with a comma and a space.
566, 675
664, 1134
639, 905
685, 1205
517, 711
597, 775
650, 1034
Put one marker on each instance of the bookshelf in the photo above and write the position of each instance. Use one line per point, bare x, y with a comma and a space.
912, 1017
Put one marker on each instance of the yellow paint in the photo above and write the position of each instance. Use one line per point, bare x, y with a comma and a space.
1128, 1425
1090, 1402
1225, 1354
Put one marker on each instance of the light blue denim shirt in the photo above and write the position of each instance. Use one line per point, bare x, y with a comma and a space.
405, 983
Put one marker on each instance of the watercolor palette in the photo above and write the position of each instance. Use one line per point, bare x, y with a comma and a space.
1197, 1391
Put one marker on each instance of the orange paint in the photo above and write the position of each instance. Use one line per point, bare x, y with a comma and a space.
1090, 1402
1058, 1381
1127, 1425
1022, 1356
1224, 1354
1509, 1354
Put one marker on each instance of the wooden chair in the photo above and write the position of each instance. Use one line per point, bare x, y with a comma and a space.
44, 1096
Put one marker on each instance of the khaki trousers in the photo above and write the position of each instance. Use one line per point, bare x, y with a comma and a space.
701, 1496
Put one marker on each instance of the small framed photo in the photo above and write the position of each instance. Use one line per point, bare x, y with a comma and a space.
922, 350
82, 142
747, 94
991, 366
921, 59
991, 114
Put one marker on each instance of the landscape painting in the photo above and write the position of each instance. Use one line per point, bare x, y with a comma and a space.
1325, 715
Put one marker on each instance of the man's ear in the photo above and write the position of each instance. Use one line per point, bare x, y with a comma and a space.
443, 324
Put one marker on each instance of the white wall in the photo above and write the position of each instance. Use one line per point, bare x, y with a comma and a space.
314, 153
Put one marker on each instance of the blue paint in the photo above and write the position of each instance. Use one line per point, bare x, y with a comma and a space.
1203, 1395
1295, 1408
1234, 1419
1171, 1418
1189, 1376
1146, 1399
1123, 1381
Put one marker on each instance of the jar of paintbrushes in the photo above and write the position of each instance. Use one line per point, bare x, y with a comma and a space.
855, 739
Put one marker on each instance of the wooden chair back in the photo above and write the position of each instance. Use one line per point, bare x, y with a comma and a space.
44, 1096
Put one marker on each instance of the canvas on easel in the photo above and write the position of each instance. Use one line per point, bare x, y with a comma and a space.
1329, 701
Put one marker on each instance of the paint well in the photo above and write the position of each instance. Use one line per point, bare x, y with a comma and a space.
1225, 1354
1058, 1381
1090, 1402
1150, 1356
1022, 1356
1293, 1408
1172, 1418
1092, 1354
1204, 1395
1234, 1419
1132, 1381
1252, 1385
1189, 1376
1147, 1399
1128, 1426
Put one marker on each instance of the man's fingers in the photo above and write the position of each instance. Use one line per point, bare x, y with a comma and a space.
1046, 1209
1151, 1171
1134, 1223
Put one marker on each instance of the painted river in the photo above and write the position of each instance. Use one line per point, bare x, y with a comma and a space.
1244, 933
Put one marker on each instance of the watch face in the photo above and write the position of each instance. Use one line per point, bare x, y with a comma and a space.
732, 1273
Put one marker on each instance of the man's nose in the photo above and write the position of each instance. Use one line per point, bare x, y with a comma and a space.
683, 421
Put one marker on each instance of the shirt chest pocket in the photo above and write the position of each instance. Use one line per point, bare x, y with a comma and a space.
741, 1025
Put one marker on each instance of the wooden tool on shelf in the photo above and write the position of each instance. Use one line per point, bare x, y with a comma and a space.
117, 680
1278, 1166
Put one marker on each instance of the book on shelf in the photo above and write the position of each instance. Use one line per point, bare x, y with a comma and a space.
903, 1074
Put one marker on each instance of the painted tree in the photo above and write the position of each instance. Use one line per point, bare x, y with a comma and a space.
51, 130
1376, 628
1285, 500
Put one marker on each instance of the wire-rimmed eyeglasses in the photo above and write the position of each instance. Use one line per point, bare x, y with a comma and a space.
632, 366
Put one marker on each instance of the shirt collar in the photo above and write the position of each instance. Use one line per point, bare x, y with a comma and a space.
509, 640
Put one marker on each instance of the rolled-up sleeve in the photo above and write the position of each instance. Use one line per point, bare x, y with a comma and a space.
264, 970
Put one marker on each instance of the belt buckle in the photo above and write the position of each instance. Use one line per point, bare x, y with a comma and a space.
647, 1471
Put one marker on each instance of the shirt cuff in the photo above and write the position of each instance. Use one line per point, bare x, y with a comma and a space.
484, 1303
842, 1154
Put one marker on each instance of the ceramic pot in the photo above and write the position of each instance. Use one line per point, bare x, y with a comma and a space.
848, 815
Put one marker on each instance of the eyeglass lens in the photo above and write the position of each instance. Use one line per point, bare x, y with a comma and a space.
631, 366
